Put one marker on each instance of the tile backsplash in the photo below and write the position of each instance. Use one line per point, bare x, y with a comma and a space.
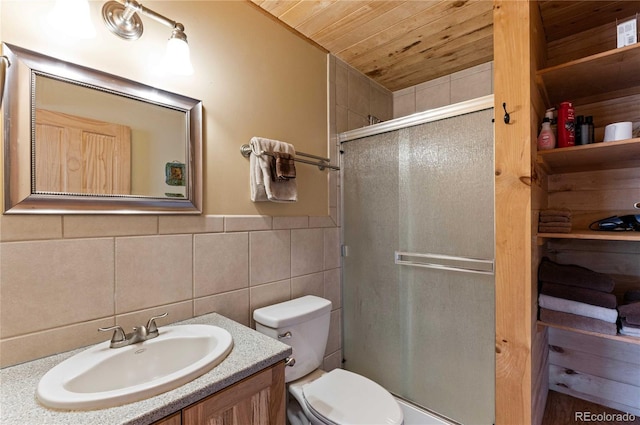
65, 276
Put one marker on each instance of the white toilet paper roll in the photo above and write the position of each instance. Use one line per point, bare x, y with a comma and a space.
618, 131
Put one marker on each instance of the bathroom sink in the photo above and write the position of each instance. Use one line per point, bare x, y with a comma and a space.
102, 377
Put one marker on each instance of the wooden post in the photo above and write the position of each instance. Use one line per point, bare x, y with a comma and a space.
513, 81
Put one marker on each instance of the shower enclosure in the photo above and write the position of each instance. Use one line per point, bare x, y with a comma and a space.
418, 235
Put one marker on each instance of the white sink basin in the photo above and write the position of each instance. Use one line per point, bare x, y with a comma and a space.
101, 377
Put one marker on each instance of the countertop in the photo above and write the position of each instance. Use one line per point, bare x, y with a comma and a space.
252, 352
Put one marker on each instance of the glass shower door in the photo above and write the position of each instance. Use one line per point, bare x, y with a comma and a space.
418, 275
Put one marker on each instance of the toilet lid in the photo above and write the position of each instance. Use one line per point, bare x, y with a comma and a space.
343, 397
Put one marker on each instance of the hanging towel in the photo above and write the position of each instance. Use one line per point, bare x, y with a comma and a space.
609, 315
263, 186
283, 166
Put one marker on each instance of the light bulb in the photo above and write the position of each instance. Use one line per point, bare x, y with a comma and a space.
178, 57
72, 18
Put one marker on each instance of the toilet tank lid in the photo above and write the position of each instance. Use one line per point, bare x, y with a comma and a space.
292, 312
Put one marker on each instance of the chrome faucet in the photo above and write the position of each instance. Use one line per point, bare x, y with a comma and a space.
139, 334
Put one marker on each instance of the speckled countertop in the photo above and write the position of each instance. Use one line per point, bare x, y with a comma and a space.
251, 353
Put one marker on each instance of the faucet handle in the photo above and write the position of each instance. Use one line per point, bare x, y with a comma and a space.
152, 328
118, 333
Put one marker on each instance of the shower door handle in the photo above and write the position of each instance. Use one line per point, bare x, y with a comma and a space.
445, 262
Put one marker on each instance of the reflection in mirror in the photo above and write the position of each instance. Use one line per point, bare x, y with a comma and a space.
97, 143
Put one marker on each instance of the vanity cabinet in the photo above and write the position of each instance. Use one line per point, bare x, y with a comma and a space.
256, 400
175, 419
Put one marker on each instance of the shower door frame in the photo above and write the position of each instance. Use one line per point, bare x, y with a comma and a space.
432, 115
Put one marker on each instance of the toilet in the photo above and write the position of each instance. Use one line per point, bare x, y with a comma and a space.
322, 398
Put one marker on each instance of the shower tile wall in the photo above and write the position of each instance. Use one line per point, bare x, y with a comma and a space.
457, 87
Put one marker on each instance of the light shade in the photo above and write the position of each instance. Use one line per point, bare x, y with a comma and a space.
72, 18
177, 57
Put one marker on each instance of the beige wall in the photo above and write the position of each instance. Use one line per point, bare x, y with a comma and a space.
255, 78
62, 277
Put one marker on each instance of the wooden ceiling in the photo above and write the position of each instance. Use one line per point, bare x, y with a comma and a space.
396, 43
403, 43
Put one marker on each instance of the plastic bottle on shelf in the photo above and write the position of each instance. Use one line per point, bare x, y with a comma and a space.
552, 119
546, 138
591, 129
578, 127
585, 132
566, 125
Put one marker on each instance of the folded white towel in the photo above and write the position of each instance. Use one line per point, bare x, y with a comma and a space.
609, 315
625, 330
263, 187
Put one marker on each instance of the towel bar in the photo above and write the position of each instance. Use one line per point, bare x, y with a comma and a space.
322, 163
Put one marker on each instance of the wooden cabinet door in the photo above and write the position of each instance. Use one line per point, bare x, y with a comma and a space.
256, 400
175, 419
80, 155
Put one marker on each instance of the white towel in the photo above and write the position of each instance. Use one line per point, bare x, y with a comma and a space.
627, 330
609, 315
263, 187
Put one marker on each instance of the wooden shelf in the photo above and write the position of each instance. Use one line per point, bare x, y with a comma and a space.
611, 71
594, 235
618, 337
593, 157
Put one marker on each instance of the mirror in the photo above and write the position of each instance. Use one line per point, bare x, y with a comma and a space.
77, 140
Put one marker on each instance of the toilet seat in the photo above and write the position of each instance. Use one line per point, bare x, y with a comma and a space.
342, 397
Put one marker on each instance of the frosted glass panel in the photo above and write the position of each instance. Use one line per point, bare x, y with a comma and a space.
370, 188
446, 186
426, 335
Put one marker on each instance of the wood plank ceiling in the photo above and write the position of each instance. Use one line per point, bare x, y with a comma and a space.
396, 43
402, 43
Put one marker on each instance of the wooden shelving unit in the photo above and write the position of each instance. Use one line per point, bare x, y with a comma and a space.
593, 157
606, 85
607, 72
622, 338
594, 235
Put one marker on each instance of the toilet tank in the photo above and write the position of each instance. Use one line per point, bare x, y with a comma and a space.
302, 323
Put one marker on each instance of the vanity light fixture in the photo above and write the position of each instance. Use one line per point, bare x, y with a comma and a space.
123, 20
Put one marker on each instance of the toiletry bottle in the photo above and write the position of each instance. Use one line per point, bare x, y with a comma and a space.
546, 139
578, 127
566, 125
552, 119
591, 129
584, 133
